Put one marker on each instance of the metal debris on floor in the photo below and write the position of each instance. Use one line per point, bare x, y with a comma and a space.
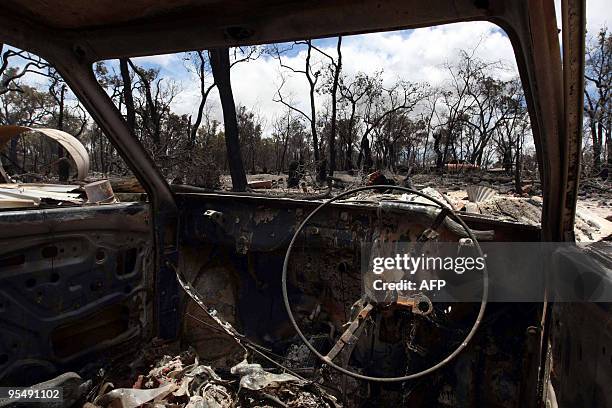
184, 382
35, 195
40, 195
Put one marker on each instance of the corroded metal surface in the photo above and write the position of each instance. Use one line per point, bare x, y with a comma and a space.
325, 281
74, 285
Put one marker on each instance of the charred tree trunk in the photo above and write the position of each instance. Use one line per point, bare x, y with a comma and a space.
313, 110
439, 157
596, 148
63, 164
128, 97
252, 154
60, 114
334, 92
517, 166
194, 130
153, 114
348, 160
282, 159
220, 63
609, 149
204, 92
348, 164
364, 160
444, 154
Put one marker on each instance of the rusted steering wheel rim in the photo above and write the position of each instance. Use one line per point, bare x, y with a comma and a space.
451, 356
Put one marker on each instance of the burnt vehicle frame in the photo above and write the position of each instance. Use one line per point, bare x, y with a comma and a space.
73, 37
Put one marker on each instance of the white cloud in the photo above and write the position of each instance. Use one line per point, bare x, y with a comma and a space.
599, 14
162, 60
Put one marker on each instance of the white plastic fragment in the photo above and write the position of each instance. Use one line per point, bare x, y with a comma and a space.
254, 377
133, 397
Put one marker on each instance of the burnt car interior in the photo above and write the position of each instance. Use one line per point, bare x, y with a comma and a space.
87, 288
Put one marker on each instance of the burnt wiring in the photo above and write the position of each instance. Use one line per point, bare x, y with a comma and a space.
229, 330
241, 339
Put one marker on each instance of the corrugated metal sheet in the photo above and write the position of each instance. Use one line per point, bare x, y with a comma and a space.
72, 145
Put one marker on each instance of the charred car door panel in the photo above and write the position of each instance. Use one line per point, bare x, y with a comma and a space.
72, 286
